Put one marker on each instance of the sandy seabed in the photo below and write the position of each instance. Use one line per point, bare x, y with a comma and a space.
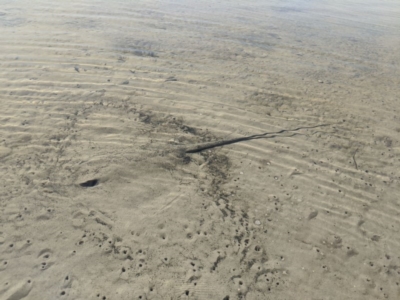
100, 100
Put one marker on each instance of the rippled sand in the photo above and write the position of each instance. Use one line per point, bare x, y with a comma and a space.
99, 100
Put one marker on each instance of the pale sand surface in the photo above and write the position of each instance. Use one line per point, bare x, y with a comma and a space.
111, 90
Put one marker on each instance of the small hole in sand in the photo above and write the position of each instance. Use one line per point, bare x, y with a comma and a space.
89, 183
62, 293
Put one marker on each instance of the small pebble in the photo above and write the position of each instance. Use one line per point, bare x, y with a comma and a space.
241, 173
257, 222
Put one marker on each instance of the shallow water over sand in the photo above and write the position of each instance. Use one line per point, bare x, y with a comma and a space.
100, 101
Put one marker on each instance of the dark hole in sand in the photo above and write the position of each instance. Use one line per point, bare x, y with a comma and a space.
89, 183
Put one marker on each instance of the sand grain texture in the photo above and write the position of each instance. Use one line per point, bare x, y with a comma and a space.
100, 99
